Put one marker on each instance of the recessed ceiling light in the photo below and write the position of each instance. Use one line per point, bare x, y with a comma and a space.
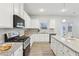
41, 10
63, 10
64, 20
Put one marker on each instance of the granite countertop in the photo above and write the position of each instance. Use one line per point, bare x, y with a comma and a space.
73, 44
14, 47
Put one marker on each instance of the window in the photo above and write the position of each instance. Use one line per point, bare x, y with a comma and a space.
44, 25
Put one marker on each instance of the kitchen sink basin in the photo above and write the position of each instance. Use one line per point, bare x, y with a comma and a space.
70, 39
5, 47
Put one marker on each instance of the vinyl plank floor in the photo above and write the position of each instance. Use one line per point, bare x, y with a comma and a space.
41, 49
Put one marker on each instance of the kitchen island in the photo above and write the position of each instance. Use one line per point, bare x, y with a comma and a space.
65, 46
15, 50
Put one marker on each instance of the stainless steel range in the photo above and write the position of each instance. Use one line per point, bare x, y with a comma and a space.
17, 38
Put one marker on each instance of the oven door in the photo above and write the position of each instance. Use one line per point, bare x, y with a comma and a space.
26, 49
26, 43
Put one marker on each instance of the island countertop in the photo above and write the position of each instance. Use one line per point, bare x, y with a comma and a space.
15, 46
73, 44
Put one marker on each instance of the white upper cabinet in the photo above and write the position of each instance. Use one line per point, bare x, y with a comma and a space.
6, 15
22, 10
35, 23
52, 23
18, 9
27, 20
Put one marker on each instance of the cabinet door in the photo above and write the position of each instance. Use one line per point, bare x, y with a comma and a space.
32, 39
6, 15
69, 52
52, 43
22, 10
19, 51
2, 41
16, 7
43, 37
52, 23
54, 46
59, 49
27, 20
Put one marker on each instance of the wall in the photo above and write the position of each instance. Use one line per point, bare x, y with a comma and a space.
54, 21
59, 24
41, 18
75, 26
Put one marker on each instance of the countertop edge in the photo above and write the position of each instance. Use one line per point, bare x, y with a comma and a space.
65, 44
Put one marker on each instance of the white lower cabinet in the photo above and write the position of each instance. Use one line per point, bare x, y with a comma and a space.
39, 38
69, 52
60, 49
19, 52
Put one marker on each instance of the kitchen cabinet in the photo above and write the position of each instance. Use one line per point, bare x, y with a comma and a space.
60, 49
27, 20
69, 52
19, 52
6, 15
43, 37
52, 24
22, 10
35, 23
32, 39
1, 41
18, 9
39, 38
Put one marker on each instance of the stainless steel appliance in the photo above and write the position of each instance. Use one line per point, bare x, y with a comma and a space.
18, 22
16, 38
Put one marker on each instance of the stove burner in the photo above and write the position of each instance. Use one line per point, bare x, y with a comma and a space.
17, 39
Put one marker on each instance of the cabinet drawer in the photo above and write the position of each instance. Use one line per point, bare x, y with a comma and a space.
19, 52
69, 52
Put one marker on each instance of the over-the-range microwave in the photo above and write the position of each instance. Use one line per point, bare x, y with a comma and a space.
18, 22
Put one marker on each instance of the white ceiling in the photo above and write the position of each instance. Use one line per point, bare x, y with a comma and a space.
52, 9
